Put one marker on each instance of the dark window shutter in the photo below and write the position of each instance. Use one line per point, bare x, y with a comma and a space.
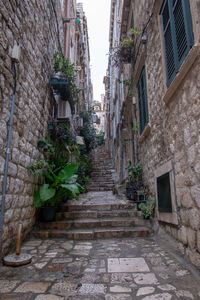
177, 34
168, 42
143, 103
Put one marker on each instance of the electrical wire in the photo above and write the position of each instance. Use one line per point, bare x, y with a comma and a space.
143, 30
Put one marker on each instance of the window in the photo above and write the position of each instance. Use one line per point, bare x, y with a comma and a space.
177, 34
164, 193
143, 103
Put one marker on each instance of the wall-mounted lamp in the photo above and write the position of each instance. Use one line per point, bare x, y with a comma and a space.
144, 38
67, 20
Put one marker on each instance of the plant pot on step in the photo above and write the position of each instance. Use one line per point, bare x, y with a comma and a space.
138, 204
48, 213
131, 191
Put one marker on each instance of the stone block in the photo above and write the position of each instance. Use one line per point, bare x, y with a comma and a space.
194, 218
34, 287
12, 169
184, 213
182, 235
198, 241
194, 257
191, 237
124, 265
195, 191
186, 199
7, 286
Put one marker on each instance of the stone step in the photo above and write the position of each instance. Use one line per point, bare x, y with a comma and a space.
65, 207
101, 180
94, 223
101, 177
100, 184
99, 189
90, 234
101, 174
79, 214
100, 167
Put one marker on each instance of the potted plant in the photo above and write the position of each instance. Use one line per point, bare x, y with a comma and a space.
63, 81
147, 209
58, 184
134, 183
56, 170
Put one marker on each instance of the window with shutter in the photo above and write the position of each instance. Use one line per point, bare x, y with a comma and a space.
177, 34
143, 103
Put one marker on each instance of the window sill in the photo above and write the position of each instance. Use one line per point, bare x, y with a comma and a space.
145, 133
187, 64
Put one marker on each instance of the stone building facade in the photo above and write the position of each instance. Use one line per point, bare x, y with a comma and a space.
99, 115
164, 74
38, 29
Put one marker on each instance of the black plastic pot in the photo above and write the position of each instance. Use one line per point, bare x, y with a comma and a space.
48, 213
131, 191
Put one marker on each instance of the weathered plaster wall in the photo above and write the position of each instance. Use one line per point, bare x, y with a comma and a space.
32, 25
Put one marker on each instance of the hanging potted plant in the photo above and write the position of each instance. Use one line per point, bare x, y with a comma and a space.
126, 50
63, 81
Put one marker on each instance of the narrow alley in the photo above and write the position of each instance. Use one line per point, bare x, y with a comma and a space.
99, 150
100, 247
97, 269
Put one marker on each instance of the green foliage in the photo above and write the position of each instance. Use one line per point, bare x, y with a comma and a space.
85, 166
135, 127
60, 183
147, 208
134, 131
63, 65
127, 82
38, 167
88, 131
135, 32
100, 139
127, 43
134, 171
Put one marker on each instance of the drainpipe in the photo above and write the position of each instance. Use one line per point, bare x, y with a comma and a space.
7, 157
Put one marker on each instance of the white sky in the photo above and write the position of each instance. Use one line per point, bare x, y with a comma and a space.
98, 19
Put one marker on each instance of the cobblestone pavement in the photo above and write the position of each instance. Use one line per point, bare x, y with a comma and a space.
117, 269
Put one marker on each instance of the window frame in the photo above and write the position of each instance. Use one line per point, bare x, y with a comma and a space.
143, 100
171, 25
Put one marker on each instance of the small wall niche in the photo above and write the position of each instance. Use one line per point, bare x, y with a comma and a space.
166, 207
164, 193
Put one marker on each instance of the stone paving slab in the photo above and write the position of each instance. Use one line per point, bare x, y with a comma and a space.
113, 269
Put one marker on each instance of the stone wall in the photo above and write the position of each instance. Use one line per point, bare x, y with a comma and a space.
174, 135
32, 25
171, 140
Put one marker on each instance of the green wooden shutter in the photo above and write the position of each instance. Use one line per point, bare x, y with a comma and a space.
145, 97
143, 103
169, 44
177, 34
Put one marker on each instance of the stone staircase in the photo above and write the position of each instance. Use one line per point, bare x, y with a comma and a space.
102, 175
98, 213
